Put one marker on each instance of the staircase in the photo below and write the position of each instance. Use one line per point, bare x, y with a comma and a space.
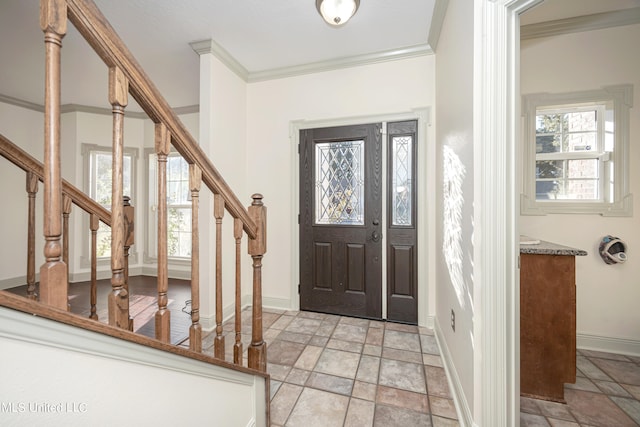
51, 299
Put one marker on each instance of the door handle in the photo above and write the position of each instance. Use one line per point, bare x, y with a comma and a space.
375, 236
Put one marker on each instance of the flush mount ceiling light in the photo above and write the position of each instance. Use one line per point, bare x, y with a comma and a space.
337, 12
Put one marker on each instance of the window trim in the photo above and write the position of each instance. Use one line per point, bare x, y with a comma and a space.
86, 150
150, 255
621, 97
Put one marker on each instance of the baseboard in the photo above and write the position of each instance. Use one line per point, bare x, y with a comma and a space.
465, 418
12, 282
276, 303
608, 344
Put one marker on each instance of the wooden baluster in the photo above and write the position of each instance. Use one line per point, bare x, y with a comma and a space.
195, 331
32, 189
163, 315
94, 224
257, 249
129, 217
119, 297
53, 273
66, 211
237, 347
218, 213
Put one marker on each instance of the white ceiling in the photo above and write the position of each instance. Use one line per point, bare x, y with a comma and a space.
264, 38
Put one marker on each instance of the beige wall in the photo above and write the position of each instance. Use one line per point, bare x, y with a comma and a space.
607, 295
455, 210
385, 88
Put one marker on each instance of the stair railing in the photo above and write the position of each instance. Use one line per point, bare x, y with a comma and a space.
126, 76
70, 196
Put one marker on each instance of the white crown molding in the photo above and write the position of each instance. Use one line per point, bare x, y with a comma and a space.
21, 103
77, 108
340, 63
209, 46
595, 21
439, 12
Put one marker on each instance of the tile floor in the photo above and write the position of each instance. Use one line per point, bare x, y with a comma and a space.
606, 394
339, 371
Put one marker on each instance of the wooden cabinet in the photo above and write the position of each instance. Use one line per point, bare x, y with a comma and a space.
547, 325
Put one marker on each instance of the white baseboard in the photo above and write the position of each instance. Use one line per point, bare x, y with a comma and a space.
12, 282
465, 418
608, 344
276, 303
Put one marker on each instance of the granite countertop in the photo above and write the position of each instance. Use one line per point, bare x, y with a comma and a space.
541, 247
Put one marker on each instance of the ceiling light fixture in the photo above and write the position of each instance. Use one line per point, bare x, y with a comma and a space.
337, 12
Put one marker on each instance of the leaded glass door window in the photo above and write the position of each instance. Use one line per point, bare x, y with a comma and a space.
401, 179
339, 182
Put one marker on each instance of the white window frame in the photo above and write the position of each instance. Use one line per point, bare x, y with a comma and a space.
87, 151
615, 199
151, 253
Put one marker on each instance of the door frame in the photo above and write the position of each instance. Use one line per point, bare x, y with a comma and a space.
426, 165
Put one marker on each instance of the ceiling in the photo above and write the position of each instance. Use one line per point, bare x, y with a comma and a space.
262, 39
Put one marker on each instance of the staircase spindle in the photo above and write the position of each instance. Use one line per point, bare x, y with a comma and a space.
53, 273
237, 347
195, 330
66, 212
129, 216
218, 213
119, 297
94, 224
163, 315
32, 189
257, 249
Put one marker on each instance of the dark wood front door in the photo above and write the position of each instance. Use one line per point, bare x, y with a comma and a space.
341, 220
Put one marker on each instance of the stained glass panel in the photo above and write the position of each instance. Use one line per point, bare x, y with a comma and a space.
401, 185
339, 183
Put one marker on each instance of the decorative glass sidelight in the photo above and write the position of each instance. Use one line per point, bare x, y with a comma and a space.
339, 185
401, 185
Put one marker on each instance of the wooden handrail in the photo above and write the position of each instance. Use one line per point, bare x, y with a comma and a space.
24, 161
94, 27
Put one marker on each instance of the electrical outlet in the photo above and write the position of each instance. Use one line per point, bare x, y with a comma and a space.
453, 320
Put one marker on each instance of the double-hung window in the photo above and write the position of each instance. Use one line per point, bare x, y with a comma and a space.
98, 178
178, 207
576, 152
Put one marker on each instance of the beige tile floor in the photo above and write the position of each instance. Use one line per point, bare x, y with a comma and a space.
339, 371
606, 394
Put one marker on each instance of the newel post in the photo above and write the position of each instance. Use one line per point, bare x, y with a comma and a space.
257, 249
53, 273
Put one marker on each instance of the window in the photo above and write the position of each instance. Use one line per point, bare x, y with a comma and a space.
98, 162
576, 152
178, 207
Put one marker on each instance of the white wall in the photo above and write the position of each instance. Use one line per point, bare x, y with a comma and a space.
385, 88
607, 295
17, 124
455, 191
59, 375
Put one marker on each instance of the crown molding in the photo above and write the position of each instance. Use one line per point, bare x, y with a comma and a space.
437, 19
595, 21
209, 46
21, 103
77, 108
340, 63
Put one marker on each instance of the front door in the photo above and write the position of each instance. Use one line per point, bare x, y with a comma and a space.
341, 220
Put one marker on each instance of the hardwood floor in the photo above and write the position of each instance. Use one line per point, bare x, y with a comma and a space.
143, 303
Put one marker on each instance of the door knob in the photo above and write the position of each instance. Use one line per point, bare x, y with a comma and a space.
376, 222
375, 236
